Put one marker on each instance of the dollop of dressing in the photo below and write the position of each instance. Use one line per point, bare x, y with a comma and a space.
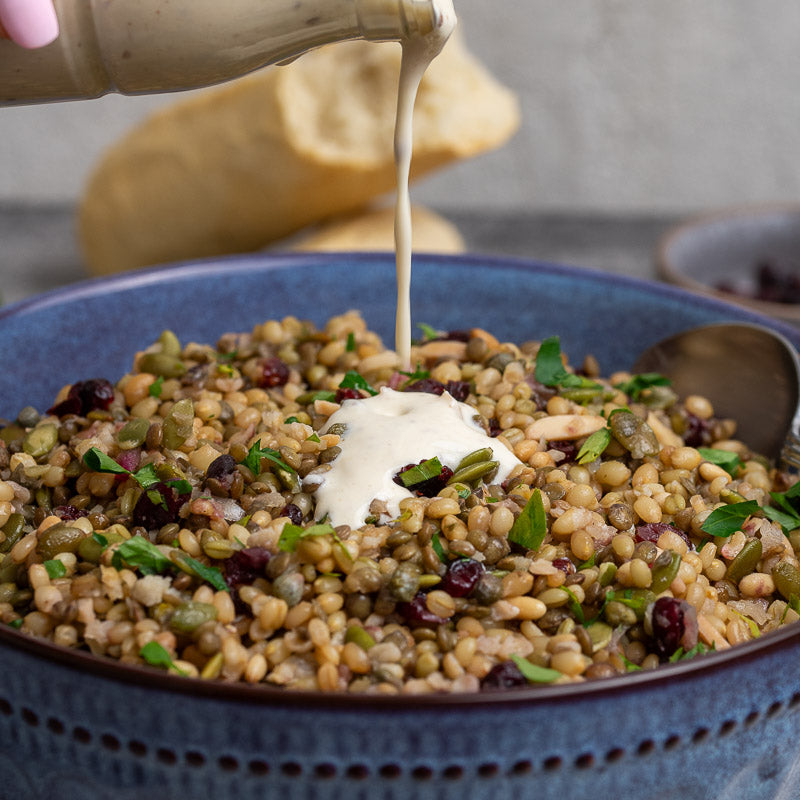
385, 433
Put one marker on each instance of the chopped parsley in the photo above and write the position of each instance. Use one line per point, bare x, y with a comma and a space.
351, 342
155, 655
418, 374
211, 575
139, 553
292, 534
254, 455
314, 438
421, 472
428, 331
726, 520
55, 568
436, 544
530, 527
550, 368
786, 511
729, 461
156, 387
640, 383
97, 461
352, 380
15, 623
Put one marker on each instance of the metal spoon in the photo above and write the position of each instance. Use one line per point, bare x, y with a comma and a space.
749, 373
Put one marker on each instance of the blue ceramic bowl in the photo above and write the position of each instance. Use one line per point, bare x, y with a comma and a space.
726, 725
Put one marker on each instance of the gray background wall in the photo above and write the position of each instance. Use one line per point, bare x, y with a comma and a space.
629, 105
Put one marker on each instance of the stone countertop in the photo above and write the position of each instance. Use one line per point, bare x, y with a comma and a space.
40, 252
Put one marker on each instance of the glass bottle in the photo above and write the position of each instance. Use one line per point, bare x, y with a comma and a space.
148, 46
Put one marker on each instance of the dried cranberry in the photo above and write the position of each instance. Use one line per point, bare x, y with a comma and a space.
273, 373
458, 390
347, 394
427, 488
293, 512
569, 449
540, 393
426, 385
462, 577
416, 612
651, 531
674, 625
221, 467
244, 566
505, 675
68, 513
494, 427
129, 460
565, 565
85, 396
698, 431
156, 507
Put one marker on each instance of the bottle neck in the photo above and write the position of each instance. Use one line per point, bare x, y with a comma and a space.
141, 46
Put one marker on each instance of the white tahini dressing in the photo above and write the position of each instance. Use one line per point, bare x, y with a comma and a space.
385, 433
418, 52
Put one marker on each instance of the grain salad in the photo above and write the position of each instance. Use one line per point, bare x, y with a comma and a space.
171, 520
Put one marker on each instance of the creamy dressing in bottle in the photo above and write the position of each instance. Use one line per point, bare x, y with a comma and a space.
385, 433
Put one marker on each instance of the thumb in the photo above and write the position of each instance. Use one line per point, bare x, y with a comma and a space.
30, 23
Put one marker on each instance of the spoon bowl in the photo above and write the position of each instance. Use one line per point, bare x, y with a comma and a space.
749, 373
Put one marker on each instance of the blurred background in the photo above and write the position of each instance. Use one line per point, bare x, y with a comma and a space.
635, 114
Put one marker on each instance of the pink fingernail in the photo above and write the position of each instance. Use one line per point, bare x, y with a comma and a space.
30, 23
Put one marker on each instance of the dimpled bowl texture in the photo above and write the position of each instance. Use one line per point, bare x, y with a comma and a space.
727, 247
724, 726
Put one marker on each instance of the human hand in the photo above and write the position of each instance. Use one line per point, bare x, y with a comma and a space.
30, 23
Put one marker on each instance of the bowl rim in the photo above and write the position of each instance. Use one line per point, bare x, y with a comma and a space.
667, 270
262, 695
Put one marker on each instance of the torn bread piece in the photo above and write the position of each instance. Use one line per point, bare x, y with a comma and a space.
235, 168
374, 231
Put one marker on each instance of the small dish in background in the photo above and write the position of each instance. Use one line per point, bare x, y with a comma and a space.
750, 256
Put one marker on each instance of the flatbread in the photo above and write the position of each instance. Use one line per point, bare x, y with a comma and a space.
374, 231
234, 168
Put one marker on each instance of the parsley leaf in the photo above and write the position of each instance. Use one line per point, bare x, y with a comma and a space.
139, 553
155, 655
292, 534
156, 387
417, 375
352, 380
436, 544
290, 419
726, 520
351, 342
639, 383
698, 650
594, 446
98, 461
55, 568
428, 332
100, 539
550, 368
421, 472
211, 575
254, 455
15, 623
574, 605
786, 512
530, 528
533, 672
722, 458
549, 365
